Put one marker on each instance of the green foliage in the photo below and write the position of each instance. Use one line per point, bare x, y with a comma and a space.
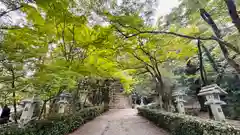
58, 47
63, 42
179, 124
55, 125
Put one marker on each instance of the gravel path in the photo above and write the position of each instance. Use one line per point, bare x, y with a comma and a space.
119, 122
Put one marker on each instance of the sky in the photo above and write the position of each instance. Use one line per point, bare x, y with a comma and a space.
165, 7
15, 18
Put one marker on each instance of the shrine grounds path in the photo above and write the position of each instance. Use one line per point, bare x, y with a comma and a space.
119, 122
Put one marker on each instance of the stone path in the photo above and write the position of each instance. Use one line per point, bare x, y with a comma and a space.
119, 122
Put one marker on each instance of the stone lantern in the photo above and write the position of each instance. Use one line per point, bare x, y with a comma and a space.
63, 102
212, 93
178, 99
28, 110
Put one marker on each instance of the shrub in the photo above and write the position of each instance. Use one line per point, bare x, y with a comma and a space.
179, 124
55, 125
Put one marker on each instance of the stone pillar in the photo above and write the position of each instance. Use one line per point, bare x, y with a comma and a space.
61, 108
217, 112
180, 107
178, 96
63, 102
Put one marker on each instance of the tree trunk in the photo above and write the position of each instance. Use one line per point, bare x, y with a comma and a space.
14, 97
210, 58
174, 105
201, 101
201, 65
75, 101
233, 13
106, 99
160, 89
208, 19
45, 111
99, 97
94, 97
170, 105
52, 107
85, 100
160, 101
42, 109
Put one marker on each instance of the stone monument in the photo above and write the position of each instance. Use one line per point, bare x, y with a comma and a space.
28, 111
178, 99
63, 102
212, 92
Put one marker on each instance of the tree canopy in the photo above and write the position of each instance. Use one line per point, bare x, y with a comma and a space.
60, 42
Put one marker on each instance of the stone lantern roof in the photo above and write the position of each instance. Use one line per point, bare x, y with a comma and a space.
63, 101
24, 101
214, 101
178, 93
66, 97
179, 100
178, 96
65, 94
211, 89
34, 99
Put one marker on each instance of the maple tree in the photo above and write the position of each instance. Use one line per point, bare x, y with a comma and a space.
64, 41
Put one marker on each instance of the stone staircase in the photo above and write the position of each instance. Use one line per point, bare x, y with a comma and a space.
119, 101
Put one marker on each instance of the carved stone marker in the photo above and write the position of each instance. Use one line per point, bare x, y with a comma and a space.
28, 110
178, 96
212, 92
63, 102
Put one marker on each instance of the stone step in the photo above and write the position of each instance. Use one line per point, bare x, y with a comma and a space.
119, 101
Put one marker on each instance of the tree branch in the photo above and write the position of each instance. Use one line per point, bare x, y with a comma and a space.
208, 19
145, 63
143, 72
9, 28
201, 66
73, 43
214, 38
153, 61
6, 12
147, 69
63, 39
211, 59
205, 15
